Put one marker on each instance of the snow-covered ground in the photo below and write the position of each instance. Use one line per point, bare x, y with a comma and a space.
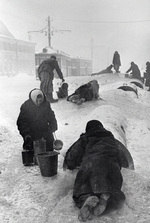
27, 197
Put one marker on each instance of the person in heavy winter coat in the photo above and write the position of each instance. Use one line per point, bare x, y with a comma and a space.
99, 178
46, 76
135, 71
36, 120
85, 92
147, 75
116, 61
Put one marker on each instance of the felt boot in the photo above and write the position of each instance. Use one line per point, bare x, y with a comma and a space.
87, 208
101, 206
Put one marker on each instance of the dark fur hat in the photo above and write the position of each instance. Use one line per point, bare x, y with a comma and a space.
53, 57
93, 125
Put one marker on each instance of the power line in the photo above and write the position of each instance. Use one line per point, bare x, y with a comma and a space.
84, 21
49, 30
37, 31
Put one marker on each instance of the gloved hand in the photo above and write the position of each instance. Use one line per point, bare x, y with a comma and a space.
28, 142
28, 139
63, 80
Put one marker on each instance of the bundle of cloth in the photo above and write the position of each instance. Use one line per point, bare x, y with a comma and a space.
86, 92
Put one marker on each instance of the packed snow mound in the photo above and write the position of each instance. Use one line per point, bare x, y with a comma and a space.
26, 196
112, 119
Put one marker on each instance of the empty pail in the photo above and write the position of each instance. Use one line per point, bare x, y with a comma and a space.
48, 163
27, 157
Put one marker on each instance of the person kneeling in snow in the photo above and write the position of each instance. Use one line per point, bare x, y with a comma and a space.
86, 92
37, 120
62, 91
99, 180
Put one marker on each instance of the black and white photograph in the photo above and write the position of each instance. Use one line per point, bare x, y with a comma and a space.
74, 111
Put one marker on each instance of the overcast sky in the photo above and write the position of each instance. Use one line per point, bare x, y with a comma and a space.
111, 25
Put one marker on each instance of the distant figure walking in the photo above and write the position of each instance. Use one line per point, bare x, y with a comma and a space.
135, 71
147, 75
116, 61
105, 71
46, 76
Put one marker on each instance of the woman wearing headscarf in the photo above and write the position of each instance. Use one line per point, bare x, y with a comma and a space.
36, 120
99, 178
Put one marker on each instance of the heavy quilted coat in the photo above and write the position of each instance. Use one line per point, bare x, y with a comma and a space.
36, 121
99, 163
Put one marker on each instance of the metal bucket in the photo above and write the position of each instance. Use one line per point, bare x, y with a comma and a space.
27, 157
57, 144
48, 163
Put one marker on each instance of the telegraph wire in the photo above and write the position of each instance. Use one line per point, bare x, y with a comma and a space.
106, 22
41, 30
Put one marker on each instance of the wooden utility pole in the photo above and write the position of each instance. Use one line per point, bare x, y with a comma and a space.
92, 46
49, 32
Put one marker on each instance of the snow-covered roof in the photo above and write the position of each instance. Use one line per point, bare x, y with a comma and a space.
51, 50
4, 32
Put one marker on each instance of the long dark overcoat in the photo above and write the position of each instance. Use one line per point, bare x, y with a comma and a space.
116, 59
98, 157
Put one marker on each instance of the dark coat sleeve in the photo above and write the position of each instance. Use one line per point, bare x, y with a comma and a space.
58, 70
51, 119
130, 69
23, 126
74, 154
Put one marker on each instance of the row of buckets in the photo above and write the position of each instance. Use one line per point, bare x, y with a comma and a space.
46, 160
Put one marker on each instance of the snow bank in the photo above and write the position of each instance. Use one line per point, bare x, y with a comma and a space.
112, 119
26, 196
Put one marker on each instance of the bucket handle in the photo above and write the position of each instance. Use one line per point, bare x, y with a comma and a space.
54, 134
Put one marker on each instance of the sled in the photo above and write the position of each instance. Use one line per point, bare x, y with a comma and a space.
126, 158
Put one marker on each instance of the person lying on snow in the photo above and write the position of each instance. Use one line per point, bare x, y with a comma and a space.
99, 179
105, 71
86, 92
36, 120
